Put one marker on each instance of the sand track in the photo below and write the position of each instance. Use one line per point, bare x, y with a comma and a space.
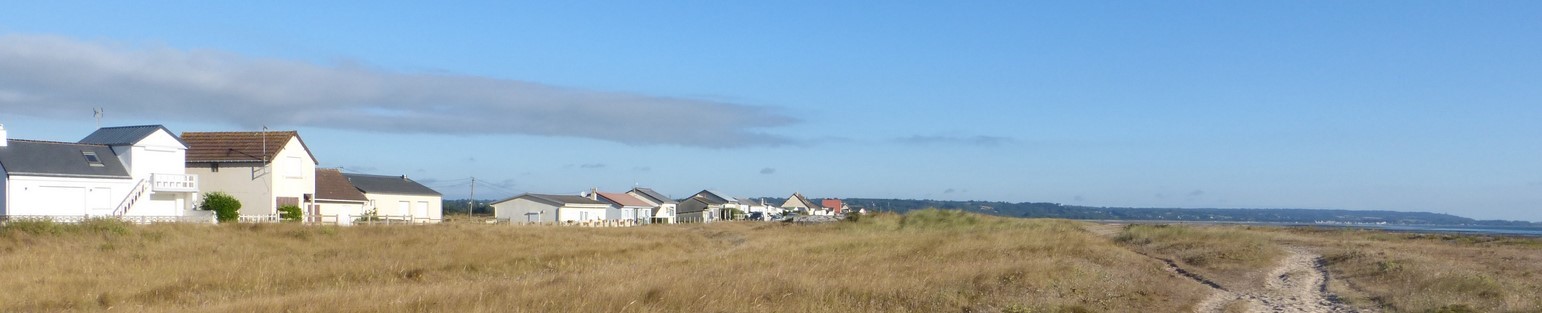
1298, 284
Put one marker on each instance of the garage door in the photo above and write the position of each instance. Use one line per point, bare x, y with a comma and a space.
61, 201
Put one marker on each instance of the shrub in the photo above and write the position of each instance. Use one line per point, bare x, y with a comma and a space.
289, 213
226, 208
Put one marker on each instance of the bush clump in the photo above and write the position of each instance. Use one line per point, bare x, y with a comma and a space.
289, 213
226, 208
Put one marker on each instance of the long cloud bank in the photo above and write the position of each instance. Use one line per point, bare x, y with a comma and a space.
53, 76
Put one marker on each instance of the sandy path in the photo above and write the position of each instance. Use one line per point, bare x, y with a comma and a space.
1299, 284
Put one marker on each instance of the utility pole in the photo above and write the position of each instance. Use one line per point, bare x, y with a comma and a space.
471, 210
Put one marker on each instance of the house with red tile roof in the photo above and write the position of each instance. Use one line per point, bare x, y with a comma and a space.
262, 169
337, 200
624, 207
835, 205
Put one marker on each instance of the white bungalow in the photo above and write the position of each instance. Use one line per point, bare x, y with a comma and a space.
130, 171
625, 207
798, 203
337, 200
399, 197
753, 206
707, 206
540, 208
663, 206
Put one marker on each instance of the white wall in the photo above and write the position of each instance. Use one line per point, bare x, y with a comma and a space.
345, 211
5, 183
247, 182
570, 213
294, 172
516, 210
33, 195
387, 204
159, 153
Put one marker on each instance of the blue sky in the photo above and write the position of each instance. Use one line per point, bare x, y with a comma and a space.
1393, 105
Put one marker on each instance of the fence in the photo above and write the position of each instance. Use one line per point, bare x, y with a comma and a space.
589, 223
196, 219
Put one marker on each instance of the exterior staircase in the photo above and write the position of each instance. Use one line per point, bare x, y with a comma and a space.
140, 191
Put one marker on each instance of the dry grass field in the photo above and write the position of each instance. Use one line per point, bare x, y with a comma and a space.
1402, 272
1374, 270
930, 261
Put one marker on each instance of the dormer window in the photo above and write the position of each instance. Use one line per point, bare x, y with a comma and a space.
92, 159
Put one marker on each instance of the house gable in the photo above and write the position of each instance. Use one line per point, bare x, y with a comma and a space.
135, 136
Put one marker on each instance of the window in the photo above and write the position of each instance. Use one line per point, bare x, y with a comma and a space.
92, 159
294, 168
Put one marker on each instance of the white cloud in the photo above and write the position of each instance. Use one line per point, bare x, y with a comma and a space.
55, 76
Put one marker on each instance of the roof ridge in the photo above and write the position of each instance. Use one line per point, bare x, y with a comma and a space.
58, 142
132, 126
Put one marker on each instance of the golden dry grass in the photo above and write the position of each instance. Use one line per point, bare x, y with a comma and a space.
1400, 272
1386, 271
932, 261
1235, 257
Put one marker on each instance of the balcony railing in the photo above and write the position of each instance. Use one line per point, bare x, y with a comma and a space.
174, 182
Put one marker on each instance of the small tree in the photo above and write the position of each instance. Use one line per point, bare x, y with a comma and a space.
289, 213
226, 208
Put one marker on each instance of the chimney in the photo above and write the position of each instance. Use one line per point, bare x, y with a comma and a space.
4, 140
594, 193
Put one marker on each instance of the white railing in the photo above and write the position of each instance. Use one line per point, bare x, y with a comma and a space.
174, 182
589, 223
71, 219
260, 218
140, 190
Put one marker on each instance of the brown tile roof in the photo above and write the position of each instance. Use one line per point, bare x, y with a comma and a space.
331, 185
238, 146
623, 199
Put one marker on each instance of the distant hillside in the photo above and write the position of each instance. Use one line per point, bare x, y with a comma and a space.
1056, 210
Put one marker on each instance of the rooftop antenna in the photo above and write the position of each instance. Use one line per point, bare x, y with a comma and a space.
264, 155
473, 208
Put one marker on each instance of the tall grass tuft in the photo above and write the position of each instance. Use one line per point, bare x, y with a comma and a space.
1232, 256
109, 226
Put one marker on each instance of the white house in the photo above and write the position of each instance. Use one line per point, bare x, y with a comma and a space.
539, 208
708, 206
264, 170
663, 207
752, 206
798, 203
629, 209
131, 171
399, 197
337, 200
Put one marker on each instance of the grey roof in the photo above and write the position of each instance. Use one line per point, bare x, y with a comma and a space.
126, 135
557, 199
61, 159
396, 185
717, 197
657, 197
